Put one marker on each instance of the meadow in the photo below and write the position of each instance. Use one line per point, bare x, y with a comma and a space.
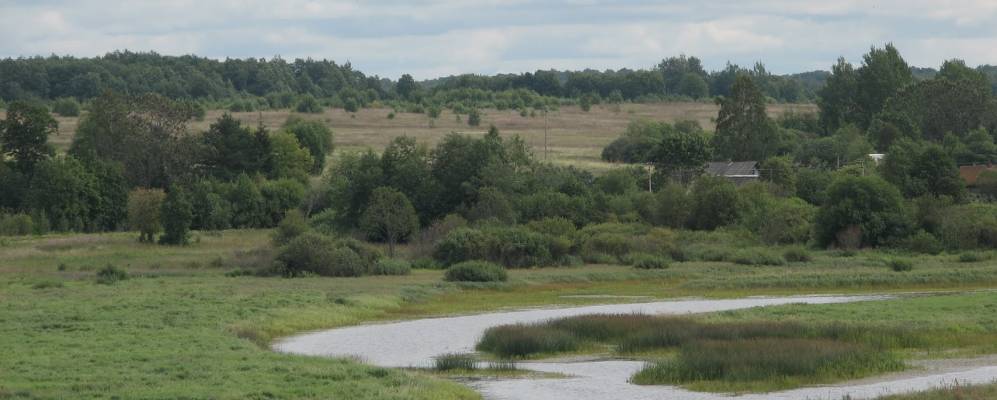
183, 325
574, 136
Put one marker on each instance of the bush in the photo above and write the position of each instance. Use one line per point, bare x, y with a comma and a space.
645, 261
922, 242
461, 244
16, 225
797, 254
476, 271
311, 253
66, 107
308, 104
110, 275
292, 226
867, 209
425, 263
970, 226
973, 256
518, 247
614, 245
756, 257
474, 117
391, 266
716, 203
900, 265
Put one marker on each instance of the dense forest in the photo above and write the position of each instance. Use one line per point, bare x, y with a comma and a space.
133, 164
277, 83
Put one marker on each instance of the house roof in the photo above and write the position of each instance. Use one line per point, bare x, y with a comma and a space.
733, 168
969, 173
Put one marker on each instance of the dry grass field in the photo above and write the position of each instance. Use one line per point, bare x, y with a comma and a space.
574, 136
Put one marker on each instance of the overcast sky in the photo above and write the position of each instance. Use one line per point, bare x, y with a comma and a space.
435, 38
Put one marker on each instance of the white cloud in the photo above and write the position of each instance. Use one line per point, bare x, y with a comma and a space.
437, 37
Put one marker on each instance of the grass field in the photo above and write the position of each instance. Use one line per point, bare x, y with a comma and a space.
179, 327
574, 136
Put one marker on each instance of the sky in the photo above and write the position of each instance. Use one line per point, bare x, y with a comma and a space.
434, 38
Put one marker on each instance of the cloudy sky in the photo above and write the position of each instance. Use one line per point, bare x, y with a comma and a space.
433, 38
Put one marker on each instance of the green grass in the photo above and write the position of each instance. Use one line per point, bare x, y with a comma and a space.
958, 392
178, 327
759, 365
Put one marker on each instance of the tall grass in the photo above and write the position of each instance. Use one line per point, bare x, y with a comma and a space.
812, 360
731, 353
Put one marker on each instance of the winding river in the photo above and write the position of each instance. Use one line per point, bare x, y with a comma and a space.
415, 343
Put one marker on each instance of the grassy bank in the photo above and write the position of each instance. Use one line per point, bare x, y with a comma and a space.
982, 392
179, 327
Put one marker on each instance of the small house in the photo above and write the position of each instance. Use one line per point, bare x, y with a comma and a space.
738, 172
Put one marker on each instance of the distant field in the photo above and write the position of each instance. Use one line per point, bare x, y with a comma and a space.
574, 136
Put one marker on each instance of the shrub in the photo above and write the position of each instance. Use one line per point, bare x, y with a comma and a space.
177, 214
110, 275
797, 254
900, 265
292, 226
517, 247
16, 225
425, 241
66, 107
922, 242
715, 203
970, 226
425, 263
756, 257
455, 361
308, 104
645, 261
553, 226
474, 117
868, 206
615, 245
391, 266
461, 244
973, 256
320, 255
476, 271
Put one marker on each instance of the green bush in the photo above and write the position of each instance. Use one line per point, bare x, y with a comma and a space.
16, 225
756, 257
861, 211
645, 261
308, 104
797, 255
461, 244
66, 107
292, 226
110, 275
476, 271
973, 256
615, 245
922, 242
391, 266
518, 247
900, 265
425, 263
971, 226
312, 253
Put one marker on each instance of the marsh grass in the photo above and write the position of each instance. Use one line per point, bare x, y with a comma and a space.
744, 364
734, 355
455, 361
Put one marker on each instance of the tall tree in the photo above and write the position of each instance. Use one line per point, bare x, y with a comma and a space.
836, 100
744, 130
406, 87
390, 216
24, 134
883, 73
